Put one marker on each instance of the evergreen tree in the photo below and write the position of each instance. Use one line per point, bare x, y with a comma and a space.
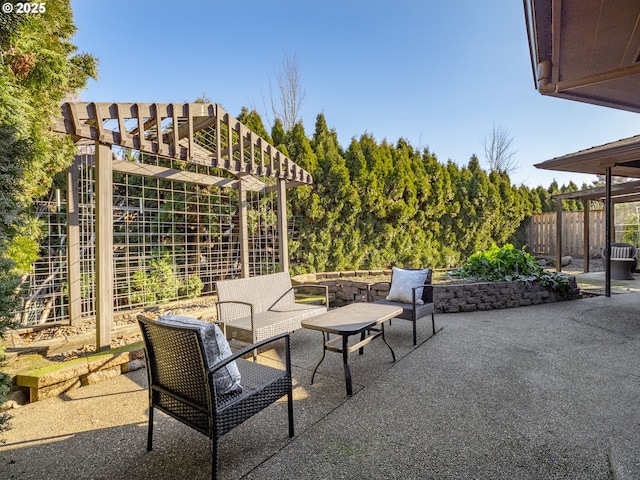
40, 68
253, 121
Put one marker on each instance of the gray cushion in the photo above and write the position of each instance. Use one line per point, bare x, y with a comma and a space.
620, 252
402, 282
216, 348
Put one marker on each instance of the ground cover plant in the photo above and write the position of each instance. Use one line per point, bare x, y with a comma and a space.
507, 263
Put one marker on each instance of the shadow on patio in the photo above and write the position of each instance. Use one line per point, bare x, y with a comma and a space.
549, 391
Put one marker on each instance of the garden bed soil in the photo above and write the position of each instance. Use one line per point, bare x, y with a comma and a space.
41, 345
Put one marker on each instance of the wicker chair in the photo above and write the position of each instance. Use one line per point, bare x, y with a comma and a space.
624, 260
181, 383
413, 311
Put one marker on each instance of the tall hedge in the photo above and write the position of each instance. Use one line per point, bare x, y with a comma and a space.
40, 68
376, 204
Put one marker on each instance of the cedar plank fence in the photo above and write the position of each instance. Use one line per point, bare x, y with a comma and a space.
541, 233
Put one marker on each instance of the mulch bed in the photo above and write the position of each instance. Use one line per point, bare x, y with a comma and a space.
33, 337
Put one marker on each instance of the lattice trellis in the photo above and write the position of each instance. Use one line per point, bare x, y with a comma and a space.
182, 138
192, 228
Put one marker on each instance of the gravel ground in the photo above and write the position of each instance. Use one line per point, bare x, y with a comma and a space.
577, 264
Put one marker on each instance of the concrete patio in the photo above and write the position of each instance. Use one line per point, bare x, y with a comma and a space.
548, 391
595, 281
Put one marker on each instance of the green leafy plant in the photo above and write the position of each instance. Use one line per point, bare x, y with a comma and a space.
160, 283
156, 285
507, 263
192, 287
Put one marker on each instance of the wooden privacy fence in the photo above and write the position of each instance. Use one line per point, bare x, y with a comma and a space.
541, 233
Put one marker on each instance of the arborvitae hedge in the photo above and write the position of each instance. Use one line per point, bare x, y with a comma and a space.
375, 204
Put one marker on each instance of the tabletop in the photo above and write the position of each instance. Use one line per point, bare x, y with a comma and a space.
352, 318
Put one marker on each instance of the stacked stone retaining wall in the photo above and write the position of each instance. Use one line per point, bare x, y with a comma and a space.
345, 288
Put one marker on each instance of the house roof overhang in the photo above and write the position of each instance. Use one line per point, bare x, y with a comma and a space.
586, 50
620, 193
622, 156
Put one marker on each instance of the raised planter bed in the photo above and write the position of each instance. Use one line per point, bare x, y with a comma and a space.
348, 287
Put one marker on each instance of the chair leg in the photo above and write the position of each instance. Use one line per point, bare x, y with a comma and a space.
290, 412
150, 429
214, 459
415, 334
287, 362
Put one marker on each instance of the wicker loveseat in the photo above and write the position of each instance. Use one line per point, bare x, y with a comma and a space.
255, 308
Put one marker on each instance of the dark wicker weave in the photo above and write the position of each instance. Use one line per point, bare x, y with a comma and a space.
182, 385
413, 311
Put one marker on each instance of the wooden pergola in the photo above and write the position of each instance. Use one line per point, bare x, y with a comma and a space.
620, 193
192, 132
621, 158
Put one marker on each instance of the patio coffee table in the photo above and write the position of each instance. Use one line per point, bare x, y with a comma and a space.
352, 319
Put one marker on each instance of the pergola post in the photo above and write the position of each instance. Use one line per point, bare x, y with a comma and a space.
73, 245
243, 236
585, 234
283, 226
558, 235
607, 233
104, 246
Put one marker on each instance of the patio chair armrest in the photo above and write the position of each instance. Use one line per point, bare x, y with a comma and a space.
249, 350
223, 320
233, 302
428, 286
315, 285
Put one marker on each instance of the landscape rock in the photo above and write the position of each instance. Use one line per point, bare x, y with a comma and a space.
15, 399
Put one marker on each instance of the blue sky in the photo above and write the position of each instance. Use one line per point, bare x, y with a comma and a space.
437, 73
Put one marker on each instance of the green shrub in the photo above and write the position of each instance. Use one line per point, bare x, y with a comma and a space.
507, 264
631, 232
161, 283
192, 287
157, 285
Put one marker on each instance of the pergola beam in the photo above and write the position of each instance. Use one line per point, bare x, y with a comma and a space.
107, 123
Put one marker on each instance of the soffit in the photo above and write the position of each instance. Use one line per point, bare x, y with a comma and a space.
586, 50
623, 157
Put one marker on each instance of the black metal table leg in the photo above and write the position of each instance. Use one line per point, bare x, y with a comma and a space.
324, 351
385, 341
345, 361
